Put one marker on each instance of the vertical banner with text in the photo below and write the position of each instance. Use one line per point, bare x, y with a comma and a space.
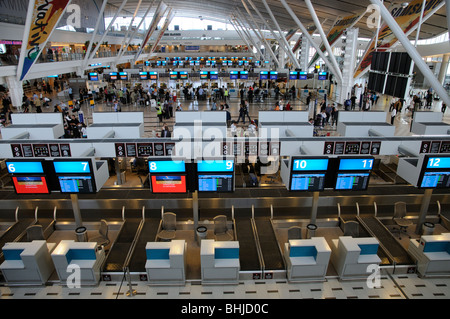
42, 18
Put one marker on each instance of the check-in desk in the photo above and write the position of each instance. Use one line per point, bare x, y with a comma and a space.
432, 254
352, 256
219, 261
166, 262
27, 263
429, 123
279, 124
307, 259
38, 126
70, 256
363, 124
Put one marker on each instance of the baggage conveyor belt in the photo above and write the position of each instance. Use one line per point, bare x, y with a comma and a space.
271, 253
393, 249
248, 254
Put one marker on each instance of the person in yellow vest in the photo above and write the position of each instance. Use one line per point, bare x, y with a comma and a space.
225, 94
159, 112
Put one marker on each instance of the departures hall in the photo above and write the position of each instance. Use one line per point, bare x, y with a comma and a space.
233, 157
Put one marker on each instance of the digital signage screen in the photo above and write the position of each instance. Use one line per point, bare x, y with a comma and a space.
25, 167
263, 75
30, 185
183, 75
123, 76
243, 75
143, 75
174, 75
309, 164
355, 164
323, 76
213, 75
273, 75
234, 75
203, 75
76, 184
352, 181
167, 166
93, 76
293, 75
215, 166
215, 183
153, 75
311, 182
113, 76
72, 167
303, 75
168, 183
435, 179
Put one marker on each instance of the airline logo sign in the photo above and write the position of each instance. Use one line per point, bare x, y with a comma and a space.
407, 18
45, 16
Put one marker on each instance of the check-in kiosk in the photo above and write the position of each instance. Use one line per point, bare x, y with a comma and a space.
278, 124
166, 262
34, 126
432, 254
219, 261
429, 123
307, 259
27, 263
116, 125
82, 258
351, 257
364, 124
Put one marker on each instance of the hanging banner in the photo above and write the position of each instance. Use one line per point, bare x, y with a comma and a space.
169, 18
408, 20
159, 13
42, 17
311, 28
337, 30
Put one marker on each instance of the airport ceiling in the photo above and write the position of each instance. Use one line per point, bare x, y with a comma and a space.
326, 10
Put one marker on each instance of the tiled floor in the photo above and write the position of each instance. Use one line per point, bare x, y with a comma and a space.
408, 286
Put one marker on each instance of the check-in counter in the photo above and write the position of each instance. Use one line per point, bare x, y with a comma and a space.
432, 254
429, 123
27, 263
166, 262
351, 257
219, 261
37, 126
70, 256
358, 124
307, 259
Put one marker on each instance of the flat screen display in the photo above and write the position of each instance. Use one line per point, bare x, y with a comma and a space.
263, 75
213, 75
303, 76
234, 75
183, 75
293, 75
352, 181
215, 183
323, 76
204, 75
243, 75
173, 75
355, 164
314, 164
215, 166
310, 182
30, 184
143, 75
167, 166
93, 76
24, 167
273, 75
76, 184
71, 167
113, 76
435, 179
123, 76
438, 162
168, 183
153, 75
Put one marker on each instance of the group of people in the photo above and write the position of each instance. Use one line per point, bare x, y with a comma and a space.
328, 115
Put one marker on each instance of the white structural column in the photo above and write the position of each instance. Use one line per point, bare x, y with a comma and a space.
415, 56
241, 19
444, 68
324, 39
241, 34
124, 42
107, 30
97, 24
283, 38
135, 31
246, 33
261, 35
15, 91
351, 47
310, 39
304, 54
447, 7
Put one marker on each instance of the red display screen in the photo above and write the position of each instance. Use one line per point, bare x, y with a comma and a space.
169, 184
30, 185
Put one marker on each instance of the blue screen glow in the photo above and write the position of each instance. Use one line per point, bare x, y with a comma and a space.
72, 167
24, 167
215, 166
167, 166
355, 164
438, 162
310, 164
